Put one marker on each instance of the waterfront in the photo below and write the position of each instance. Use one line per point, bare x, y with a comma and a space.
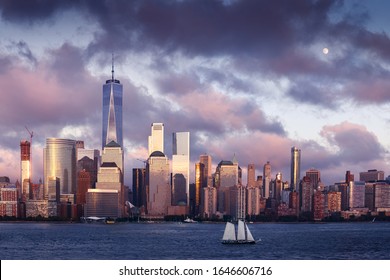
137, 241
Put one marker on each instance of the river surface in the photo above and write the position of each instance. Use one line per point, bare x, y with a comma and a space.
200, 241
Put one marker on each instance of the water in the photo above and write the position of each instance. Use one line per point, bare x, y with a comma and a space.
132, 241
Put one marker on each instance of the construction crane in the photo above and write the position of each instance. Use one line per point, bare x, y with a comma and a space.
31, 137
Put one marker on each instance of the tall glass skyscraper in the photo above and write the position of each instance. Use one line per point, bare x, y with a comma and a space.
181, 168
59, 160
295, 168
112, 111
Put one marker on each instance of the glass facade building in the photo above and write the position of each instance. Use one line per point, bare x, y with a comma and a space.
112, 112
181, 168
59, 160
295, 168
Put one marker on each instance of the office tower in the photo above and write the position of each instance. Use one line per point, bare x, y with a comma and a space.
306, 194
113, 152
207, 179
343, 188
25, 164
382, 197
181, 168
156, 139
278, 187
266, 179
349, 177
295, 168
157, 184
318, 205
139, 190
89, 161
83, 184
315, 177
112, 111
253, 201
372, 176
369, 196
110, 177
209, 202
53, 193
226, 174
356, 194
59, 160
251, 181
199, 176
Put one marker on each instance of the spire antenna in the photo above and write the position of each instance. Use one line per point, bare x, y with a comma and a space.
112, 71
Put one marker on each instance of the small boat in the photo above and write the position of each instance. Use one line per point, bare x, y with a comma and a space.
189, 221
244, 236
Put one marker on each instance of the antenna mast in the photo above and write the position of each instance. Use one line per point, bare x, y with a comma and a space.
112, 70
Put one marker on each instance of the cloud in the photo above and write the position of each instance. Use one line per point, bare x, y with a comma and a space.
353, 142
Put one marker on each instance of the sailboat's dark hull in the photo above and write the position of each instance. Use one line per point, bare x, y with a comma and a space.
238, 242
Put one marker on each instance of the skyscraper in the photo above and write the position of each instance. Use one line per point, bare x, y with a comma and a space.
251, 175
207, 178
157, 184
315, 177
25, 166
112, 111
295, 168
156, 139
266, 179
181, 168
59, 160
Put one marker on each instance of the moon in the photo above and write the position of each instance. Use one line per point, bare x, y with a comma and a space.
325, 50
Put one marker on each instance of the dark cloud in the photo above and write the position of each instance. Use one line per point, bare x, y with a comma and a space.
33, 10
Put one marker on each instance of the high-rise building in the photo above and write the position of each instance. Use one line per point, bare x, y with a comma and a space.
181, 168
207, 175
157, 184
89, 161
107, 199
356, 194
199, 176
251, 181
139, 191
59, 160
372, 176
334, 201
112, 111
295, 168
209, 202
266, 179
226, 174
318, 205
306, 194
25, 166
156, 139
349, 177
382, 197
253, 201
315, 177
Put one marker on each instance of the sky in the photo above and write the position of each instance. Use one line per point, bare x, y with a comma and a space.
245, 78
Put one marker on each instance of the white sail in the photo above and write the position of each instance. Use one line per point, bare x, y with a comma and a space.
241, 230
249, 234
229, 233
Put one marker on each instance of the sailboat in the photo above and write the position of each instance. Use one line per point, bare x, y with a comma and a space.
244, 235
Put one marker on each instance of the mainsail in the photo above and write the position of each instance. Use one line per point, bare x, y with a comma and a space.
241, 231
229, 233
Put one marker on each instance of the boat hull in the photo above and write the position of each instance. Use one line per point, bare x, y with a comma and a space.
238, 242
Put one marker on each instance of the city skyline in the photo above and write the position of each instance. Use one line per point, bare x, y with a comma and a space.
247, 82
